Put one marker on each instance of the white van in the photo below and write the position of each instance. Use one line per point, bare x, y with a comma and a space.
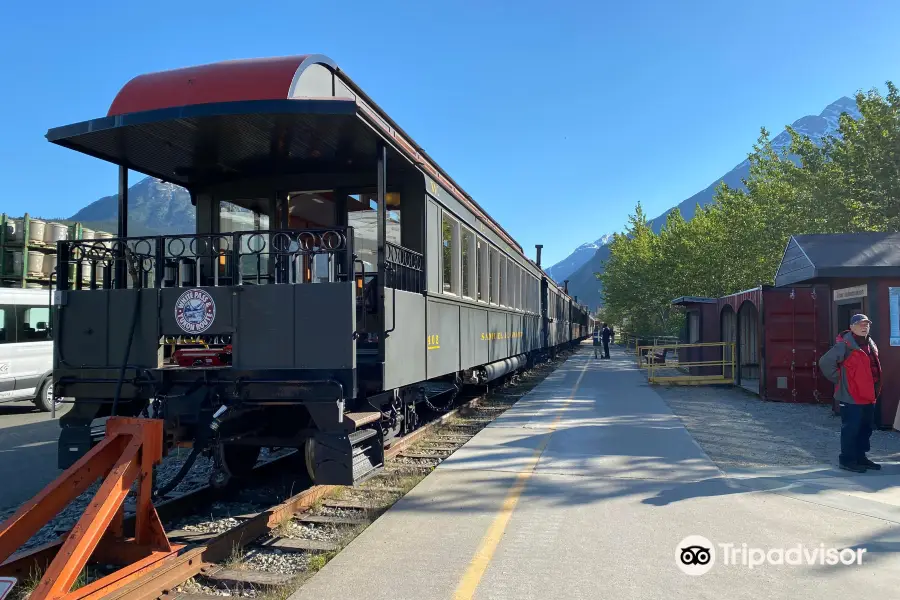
26, 347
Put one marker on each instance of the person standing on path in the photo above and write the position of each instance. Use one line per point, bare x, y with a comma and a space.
596, 342
852, 365
606, 333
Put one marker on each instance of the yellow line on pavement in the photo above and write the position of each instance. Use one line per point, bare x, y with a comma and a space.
467, 586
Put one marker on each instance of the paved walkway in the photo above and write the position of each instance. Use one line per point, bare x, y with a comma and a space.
27, 452
586, 489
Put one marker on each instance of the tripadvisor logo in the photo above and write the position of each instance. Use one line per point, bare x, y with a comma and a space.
696, 555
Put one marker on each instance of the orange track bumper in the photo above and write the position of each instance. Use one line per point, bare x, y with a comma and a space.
127, 454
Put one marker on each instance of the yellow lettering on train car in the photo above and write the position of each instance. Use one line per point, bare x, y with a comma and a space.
434, 341
501, 335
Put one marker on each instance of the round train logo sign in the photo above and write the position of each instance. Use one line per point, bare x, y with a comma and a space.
195, 311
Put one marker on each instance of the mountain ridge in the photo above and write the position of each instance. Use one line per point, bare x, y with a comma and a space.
582, 281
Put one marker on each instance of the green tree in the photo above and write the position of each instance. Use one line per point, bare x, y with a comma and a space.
848, 182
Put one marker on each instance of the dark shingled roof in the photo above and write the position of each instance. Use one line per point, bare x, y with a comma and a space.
812, 257
681, 300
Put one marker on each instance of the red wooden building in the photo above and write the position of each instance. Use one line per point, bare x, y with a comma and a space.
778, 333
861, 273
781, 332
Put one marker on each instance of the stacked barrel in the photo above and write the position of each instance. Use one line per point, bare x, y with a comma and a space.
28, 249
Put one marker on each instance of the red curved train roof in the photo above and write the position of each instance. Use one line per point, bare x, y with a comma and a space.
228, 81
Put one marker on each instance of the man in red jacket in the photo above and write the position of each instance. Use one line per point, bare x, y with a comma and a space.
852, 365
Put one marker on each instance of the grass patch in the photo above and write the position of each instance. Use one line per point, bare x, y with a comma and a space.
235, 560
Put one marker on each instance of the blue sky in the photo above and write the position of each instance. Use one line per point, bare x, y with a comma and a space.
556, 116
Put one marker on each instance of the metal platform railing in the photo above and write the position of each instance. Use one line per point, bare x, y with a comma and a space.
405, 269
689, 364
287, 256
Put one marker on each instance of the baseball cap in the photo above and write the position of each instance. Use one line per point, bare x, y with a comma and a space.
859, 318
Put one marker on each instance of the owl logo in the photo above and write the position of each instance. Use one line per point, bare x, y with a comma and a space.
695, 555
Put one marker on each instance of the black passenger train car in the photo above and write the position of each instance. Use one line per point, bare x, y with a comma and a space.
337, 279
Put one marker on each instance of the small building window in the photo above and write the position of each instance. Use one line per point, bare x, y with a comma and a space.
693, 327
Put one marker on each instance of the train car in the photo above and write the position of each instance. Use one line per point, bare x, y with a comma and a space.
338, 282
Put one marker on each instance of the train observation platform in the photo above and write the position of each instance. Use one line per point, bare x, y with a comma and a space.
588, 488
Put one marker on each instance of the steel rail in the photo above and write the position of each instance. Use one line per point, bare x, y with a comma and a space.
160, 583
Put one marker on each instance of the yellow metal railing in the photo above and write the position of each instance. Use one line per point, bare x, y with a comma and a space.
687, 370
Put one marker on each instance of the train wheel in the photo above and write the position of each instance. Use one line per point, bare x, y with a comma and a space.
234, 462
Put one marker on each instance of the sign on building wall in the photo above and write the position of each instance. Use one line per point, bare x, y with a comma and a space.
857, 291
894, 295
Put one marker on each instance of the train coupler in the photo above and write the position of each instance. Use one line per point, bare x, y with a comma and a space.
126, 455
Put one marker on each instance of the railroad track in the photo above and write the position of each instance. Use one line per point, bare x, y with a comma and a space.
242, 551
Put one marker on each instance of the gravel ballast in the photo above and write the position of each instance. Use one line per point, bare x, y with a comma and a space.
739, 430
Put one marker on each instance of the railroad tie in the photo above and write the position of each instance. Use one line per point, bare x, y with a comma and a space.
350, 504
231, 578
385, 490
421, 455
329, 520
297, 545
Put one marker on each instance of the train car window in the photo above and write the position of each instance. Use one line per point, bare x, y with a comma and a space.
315, 210
449, 254
501, 280
362, 215
255, 258
494, 274
526, 303
507, 282
392, 227
468, 257
519, 283
508, 277
526, 291
518, 287
480, 262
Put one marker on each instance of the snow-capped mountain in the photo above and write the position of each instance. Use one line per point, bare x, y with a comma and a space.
582, 281
817, 127
583, 253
